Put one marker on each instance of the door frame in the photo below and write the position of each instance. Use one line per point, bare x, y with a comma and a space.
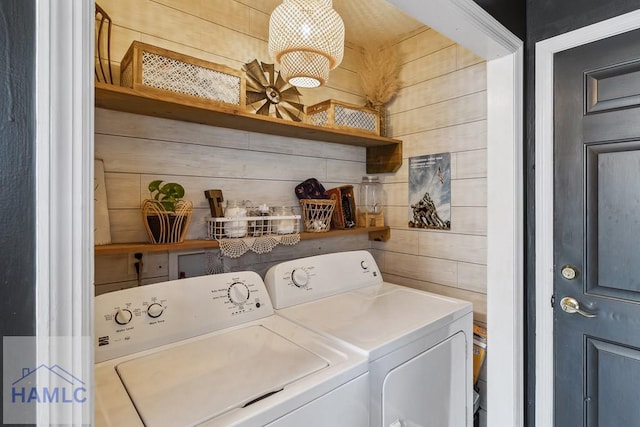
64, 156
544, 52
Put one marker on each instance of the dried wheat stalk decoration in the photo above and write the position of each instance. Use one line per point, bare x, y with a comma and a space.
380, 74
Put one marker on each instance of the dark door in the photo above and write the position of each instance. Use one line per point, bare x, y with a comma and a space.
597, 234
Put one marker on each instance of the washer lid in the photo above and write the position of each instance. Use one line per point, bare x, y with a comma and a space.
378, 319
198, 380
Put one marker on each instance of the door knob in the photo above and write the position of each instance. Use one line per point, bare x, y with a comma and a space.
571, 305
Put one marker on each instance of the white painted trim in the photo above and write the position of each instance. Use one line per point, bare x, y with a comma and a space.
505, 251
544, 194
70, 249
466, 23
64, 189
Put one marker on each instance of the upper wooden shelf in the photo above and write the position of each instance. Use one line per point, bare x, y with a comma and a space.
375, 233
384, 155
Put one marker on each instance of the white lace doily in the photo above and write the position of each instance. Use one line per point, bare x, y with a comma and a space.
234, 248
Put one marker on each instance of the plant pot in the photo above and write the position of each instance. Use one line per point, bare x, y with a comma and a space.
163, 226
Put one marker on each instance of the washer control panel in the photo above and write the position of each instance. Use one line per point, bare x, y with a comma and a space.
308, 279
145, 317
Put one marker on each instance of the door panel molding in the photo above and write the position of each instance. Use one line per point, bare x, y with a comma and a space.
544, 269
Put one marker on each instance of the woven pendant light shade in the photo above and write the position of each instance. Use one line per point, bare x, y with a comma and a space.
306, 37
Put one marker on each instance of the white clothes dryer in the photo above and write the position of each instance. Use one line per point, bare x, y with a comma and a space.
209, 351
419, 343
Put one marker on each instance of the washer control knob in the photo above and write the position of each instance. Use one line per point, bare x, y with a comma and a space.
238, 293
155, 310
364, 265
300, 277
123, 317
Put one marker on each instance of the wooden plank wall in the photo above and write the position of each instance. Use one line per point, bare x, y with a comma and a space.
440, 108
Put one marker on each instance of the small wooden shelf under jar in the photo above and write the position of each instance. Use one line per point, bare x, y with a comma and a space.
384, 155
381, 234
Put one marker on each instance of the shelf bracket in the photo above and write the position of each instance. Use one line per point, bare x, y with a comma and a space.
380, 235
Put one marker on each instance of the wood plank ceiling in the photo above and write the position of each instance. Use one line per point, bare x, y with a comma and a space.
366, 21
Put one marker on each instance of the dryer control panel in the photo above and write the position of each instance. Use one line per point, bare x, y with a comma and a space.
308, 279
145, 317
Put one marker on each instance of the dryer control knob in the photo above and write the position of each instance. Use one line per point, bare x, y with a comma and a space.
155, 310
238, 293
364, 265
123, 317
300, 277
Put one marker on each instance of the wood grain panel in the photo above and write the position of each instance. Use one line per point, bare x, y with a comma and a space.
155, 19
126, 226
472, 277
123, 190
451, 246
122, 154
469, 220
466, 58
403, 241
429, 66
111, 122
397, 194
466, 136
471, 164
449, 86
466, 109
345, 171
422, 44
444, 272
469, 192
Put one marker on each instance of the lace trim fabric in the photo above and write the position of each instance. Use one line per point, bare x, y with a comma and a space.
235, 248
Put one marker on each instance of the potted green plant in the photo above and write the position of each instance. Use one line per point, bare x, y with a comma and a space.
166, 214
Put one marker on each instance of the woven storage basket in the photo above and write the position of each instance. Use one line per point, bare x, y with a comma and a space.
169, 73
316, 214
340, 115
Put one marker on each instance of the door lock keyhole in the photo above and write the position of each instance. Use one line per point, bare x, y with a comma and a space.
568, 272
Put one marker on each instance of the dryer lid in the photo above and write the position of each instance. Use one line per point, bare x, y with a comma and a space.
201, 379
378, 319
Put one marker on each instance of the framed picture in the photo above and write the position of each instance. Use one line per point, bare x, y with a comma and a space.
430, 191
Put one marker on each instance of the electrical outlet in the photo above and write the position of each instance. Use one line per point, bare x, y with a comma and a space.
131, 262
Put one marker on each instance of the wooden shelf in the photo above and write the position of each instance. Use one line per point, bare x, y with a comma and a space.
375, 233
384, 155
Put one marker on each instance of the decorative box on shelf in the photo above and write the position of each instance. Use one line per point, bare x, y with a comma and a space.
340, 115
163, 71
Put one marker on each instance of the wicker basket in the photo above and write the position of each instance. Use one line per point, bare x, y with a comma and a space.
316, 214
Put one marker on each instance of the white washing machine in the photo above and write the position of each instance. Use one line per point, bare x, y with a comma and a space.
210, 351
419, 344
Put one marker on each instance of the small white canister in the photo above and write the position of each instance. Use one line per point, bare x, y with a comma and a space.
235, 209
283, 226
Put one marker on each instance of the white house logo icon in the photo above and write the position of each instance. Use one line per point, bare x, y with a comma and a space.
60, 386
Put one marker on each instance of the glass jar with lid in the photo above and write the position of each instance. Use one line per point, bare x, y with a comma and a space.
371, 200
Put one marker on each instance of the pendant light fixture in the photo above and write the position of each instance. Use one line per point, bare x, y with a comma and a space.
306, 38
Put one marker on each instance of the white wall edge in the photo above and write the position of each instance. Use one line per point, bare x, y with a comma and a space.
544, 194
468, 24
505, 250
64, 189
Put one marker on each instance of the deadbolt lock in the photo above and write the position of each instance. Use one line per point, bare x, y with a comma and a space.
568, 272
